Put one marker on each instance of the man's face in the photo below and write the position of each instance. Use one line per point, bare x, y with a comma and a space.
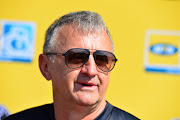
86, 85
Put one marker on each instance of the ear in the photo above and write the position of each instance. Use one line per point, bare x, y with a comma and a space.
44, 66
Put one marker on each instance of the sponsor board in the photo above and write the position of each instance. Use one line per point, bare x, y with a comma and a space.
17, 41
162, 51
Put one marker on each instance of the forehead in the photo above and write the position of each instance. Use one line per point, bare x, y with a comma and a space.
70, 36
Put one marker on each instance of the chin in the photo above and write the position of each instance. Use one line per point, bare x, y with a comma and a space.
88, 101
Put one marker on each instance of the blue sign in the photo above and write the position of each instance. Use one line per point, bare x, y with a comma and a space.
165, 46
17, 41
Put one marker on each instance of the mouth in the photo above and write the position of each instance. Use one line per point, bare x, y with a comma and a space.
85, 86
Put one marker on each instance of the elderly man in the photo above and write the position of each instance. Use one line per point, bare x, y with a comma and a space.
77, 57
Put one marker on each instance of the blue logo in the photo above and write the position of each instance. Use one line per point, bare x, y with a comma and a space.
163, 49
17, 41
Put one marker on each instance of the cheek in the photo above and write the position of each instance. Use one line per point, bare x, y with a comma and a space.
104, 79
58, 74
65, 77
104, 76
63, 84
59, 69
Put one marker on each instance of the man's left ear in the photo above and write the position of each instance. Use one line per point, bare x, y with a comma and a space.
44, 66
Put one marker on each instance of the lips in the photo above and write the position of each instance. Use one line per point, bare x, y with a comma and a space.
85, 86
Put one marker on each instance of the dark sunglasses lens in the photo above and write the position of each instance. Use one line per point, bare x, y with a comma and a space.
105, 60
76, 58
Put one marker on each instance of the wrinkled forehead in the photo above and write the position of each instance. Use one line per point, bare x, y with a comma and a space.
64, 32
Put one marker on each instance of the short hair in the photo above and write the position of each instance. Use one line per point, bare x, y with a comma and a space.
86, 20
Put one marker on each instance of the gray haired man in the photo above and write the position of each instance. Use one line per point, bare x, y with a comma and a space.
77, 57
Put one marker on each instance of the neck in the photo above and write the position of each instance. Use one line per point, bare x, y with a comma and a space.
73, 111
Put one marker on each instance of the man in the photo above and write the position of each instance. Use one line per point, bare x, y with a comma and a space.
77, 57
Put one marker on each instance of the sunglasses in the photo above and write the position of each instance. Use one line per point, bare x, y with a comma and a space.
77, 57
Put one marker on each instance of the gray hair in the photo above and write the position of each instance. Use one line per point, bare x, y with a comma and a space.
86, 20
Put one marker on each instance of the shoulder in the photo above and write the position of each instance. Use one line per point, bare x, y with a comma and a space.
119, 113
37, 113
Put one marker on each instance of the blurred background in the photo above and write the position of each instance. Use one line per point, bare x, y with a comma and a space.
146, 94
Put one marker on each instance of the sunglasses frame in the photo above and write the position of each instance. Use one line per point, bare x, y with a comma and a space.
64, 54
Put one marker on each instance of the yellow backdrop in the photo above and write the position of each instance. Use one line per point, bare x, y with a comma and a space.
149, 96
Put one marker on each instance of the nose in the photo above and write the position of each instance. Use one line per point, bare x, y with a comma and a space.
90, 68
